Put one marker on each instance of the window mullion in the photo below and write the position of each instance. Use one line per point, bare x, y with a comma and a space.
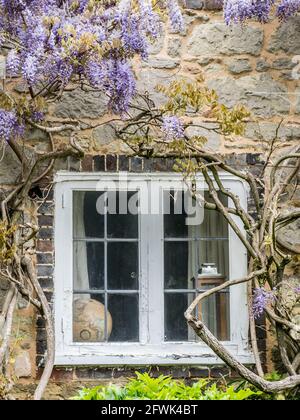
105, 277
155, 268
143, 265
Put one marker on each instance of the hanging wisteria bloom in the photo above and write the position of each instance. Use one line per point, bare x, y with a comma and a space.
30, 69
175, 15
13, 64
150, 20
9, 125
172, 128
288, 8
116, 79
261, 300
236, 11
239, 11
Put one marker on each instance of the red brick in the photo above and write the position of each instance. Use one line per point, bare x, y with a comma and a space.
45, 246
87, 163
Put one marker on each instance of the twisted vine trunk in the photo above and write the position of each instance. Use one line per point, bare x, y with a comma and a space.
46, 310
19, 270
208, 338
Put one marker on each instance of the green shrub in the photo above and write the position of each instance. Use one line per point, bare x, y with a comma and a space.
293, 394
165, 388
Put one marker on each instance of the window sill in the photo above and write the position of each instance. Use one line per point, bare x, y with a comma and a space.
147, 356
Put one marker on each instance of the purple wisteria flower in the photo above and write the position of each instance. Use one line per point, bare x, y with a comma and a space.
116, 79
288, 8
30, 69
173, 128
37, 116
261, 299
13, 64
175, 14
120, 85
9, 125
149, 19
238, 11
297, 290
134, 41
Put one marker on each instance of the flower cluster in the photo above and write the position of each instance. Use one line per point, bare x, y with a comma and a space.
55, 41
261, 299
288, 8
9, 125
241, 10
13, 64
172, 128
175, 15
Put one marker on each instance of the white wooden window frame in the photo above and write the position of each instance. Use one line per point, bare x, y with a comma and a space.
152, 349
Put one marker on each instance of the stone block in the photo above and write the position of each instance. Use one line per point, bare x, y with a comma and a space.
213, 139
224, 40
287, 37
239, 66
262, 65
22, 366
10, 167
162, 63
80, 104
262, 95
174, 47
104, 134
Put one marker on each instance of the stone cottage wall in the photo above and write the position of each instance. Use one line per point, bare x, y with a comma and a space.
256, 65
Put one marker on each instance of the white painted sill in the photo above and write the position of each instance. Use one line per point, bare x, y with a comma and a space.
147, 355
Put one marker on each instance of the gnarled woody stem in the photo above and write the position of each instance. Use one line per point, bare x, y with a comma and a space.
213, 343
27, 262
223, 286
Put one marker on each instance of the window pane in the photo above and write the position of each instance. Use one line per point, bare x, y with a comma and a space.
122, 266
124, 310
214, 253
183, 261
197, 265
88, 223
175, 208
121, 223
174, 215
89, 319
176, 327
177, 275
214, 272
215, 313
214, 224
88, 265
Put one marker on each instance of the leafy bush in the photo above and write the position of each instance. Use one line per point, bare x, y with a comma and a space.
165, 388
293, 394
